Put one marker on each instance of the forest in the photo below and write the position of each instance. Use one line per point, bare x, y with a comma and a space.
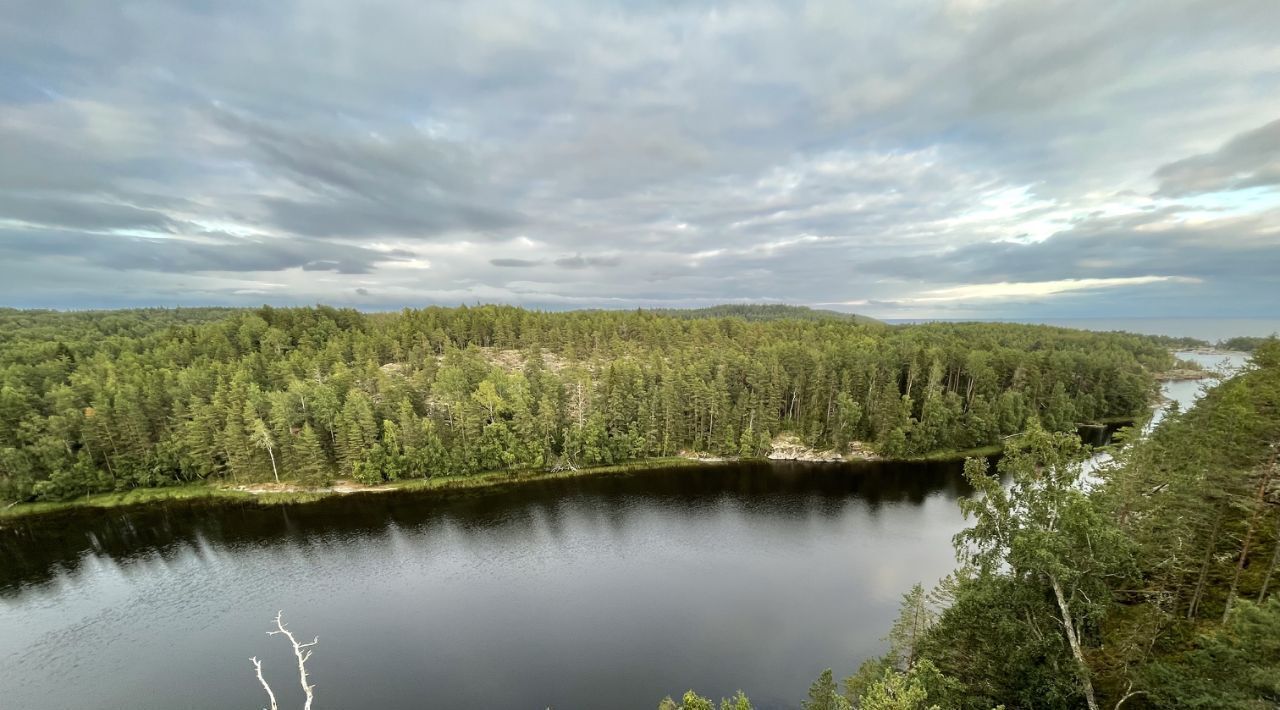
114, 400
1150, 583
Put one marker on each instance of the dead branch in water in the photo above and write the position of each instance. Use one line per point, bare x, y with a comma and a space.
257, 666
302, 651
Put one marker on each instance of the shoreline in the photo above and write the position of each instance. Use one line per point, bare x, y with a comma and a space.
268, 494
1213, 351
1184, 375
293, 493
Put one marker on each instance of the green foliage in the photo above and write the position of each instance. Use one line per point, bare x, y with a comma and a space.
1045, 533
1244, 344
824, 695
97, 402
1124, 587
757, 312
899, 691
908, 632
1235, 665
1000, 640
1150, 583
867, 675
692, 701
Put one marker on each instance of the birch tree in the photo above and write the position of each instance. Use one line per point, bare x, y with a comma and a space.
1044, 531
262, 439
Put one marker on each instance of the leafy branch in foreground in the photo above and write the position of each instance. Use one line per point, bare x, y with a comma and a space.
1044, 531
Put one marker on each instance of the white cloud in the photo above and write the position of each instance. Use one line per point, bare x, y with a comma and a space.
1035, 289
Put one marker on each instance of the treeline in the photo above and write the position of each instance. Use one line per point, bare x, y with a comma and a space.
1149, 585
1243, 343
760, 312
107, 401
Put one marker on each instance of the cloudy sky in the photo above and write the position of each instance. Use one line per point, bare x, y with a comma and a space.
945, 158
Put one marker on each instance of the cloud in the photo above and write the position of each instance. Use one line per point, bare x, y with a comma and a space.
351, 183
1250, 159
1167, 241
514, 263
63, 212
206, 253
1035, 289
578, 261
768, 151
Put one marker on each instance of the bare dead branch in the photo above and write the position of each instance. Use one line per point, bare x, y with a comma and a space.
1129, 693
300, 650
257, 666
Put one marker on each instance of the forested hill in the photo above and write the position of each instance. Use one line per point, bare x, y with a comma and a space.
104, 401
758, 312
90, 328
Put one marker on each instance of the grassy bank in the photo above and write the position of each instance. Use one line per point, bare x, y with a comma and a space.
136, 496
295, 494
503, 478
224, 492
490, 479
298, 493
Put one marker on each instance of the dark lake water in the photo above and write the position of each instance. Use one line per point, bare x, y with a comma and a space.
598, 592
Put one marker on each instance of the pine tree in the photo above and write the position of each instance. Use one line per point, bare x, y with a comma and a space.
909, 629
824, 695
309, 457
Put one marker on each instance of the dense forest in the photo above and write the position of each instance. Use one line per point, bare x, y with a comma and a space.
1241, 343
759, 312
1148, 584
113, 400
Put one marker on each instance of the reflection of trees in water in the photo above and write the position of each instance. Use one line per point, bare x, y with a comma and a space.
38, 552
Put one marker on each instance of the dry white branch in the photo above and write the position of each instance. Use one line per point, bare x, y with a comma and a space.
257, 666
1129, 693
302, 651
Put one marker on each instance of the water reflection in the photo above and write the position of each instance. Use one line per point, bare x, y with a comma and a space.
39, 550
607, 591
603, 591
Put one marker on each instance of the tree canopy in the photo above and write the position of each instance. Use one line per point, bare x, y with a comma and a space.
1148, 584
101, 401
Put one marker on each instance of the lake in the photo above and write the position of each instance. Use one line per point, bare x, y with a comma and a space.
600, 591
607, 591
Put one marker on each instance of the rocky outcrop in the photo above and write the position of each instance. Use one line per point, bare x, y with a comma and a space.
703, 457
1183, 374
788, 447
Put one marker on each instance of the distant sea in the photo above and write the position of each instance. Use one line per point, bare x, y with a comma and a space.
1210, 329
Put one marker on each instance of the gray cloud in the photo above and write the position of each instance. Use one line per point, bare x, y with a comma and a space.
407, 183
191, 255
578, 261
514, 263
1250, 159
1127, 246
774, 151
81, 214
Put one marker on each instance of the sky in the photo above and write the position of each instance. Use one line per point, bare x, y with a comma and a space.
953, 158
